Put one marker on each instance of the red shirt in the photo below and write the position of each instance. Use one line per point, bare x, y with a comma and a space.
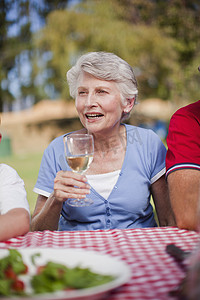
183, 139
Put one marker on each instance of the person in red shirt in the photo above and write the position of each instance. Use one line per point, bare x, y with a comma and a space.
183, 165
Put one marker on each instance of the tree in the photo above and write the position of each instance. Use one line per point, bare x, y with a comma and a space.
178, 19
6, 61
101, 26
18, 19
160, 39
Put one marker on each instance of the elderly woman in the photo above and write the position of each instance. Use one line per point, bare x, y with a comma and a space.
128, 165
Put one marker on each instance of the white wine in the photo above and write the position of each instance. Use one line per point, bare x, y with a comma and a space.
79, 150
80, 163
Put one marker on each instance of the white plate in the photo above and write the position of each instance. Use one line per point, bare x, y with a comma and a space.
97, 262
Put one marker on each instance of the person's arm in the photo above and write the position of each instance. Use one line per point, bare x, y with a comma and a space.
160, 195
14, 223
183, 165
47, 211
46, 214
184, 192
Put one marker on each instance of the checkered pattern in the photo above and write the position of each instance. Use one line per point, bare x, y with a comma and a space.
154, 272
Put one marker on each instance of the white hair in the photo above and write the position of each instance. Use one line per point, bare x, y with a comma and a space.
105, 66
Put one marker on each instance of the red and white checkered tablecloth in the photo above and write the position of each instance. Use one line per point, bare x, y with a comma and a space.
154, 272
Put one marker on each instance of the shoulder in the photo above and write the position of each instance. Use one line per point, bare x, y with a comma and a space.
7, 170
141, 135
139, 130
185, 122
8, 174
55, 147
192, 109
189, 114
183, 139
145, 142
56, 142
53, 157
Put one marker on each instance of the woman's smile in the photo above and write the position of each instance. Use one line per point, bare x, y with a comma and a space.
94, 116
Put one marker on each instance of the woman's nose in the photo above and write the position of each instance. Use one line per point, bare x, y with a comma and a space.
91, 100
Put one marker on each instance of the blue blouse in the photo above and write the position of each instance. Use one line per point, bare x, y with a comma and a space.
128, 205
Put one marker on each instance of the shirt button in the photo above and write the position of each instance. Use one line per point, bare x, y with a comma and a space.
115, 187
106, 201
108, 221
108, 214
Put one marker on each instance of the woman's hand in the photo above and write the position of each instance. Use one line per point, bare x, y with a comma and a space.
47, 210
70, 185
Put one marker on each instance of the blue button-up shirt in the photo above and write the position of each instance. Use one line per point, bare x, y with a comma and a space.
128, 205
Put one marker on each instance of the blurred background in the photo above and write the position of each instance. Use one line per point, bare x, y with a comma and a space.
41, 39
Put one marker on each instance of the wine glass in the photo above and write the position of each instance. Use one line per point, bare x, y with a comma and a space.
79, 150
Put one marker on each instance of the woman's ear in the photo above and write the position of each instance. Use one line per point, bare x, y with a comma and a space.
129, 105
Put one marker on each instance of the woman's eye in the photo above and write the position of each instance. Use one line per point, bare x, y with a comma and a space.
81, 92
101, 91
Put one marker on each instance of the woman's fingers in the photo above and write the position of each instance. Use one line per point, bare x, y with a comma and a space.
70, 185
62, 196
69, 174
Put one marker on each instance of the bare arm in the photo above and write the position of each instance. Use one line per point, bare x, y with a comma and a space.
184, 192
46, 214
160, 195
47, 211
14, 223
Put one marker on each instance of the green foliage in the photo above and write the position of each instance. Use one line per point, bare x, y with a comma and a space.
18, 15
142, 37
160, 39
12, 46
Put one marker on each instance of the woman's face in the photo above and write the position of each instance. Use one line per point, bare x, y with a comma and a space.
98, 103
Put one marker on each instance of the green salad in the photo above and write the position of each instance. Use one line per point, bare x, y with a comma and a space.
50, 277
